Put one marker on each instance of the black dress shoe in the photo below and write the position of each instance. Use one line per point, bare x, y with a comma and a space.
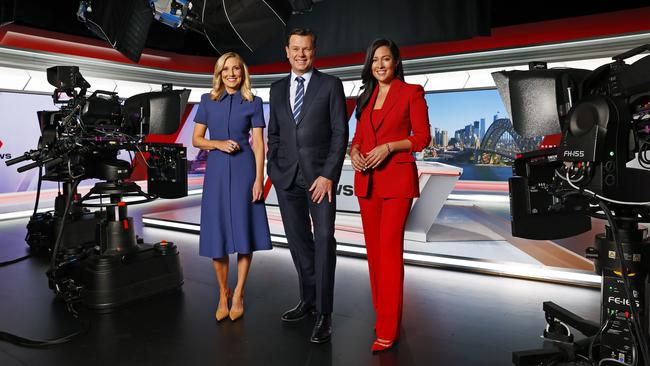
322, 329
300, 311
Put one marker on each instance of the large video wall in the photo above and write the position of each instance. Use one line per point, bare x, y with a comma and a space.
467, 131
461, 123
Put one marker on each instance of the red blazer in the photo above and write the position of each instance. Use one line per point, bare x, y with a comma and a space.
404, 116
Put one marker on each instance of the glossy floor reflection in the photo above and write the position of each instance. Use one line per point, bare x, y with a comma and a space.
450, 318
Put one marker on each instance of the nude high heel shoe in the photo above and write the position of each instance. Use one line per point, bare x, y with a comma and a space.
236, 314
222, 314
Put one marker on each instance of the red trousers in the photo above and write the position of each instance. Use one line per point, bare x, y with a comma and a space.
383, 228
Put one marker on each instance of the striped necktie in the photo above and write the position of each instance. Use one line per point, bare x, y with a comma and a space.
300, 93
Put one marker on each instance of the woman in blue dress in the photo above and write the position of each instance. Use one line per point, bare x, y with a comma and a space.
233, 216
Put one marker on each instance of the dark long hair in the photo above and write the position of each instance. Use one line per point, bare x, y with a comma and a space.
369, 81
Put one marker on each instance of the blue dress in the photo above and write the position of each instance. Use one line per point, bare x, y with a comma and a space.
230, 222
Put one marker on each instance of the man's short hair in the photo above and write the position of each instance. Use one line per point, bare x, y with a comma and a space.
302, 32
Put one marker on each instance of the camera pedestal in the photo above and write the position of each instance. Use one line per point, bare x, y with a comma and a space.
96, 258
117, 267
614, 341
113, 280
125, 269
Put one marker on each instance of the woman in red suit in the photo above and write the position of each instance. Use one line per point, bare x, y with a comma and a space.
392, 123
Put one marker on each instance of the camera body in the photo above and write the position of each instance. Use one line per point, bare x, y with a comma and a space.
597, 116
95, 256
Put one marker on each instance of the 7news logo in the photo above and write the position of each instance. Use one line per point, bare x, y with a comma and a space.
4, 155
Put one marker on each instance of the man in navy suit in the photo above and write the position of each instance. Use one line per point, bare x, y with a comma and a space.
308, 136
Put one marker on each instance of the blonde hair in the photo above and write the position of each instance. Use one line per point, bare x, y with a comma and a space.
218, 88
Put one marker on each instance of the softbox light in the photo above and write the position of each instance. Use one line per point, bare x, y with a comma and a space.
124, 24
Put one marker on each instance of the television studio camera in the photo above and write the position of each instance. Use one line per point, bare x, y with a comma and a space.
95, 256
603, 118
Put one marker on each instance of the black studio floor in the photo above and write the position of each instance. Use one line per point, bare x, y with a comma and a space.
450, 318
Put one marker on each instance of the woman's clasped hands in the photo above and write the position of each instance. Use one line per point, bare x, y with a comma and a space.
371, 160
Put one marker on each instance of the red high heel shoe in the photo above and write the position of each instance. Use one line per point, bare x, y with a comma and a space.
381, 345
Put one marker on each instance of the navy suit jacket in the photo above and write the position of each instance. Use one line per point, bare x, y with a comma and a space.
317, 141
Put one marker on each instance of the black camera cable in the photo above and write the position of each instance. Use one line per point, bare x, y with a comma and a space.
34, 343
13, 261
59, 235
642, 158
38, 188
596, 337
637, 329
70, 306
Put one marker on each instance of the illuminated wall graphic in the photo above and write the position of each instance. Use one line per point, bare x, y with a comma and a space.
20, 133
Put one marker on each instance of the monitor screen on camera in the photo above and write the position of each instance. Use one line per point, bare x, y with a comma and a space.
538, 100
160, 112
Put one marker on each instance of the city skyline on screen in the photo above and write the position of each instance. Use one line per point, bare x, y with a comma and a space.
453, 110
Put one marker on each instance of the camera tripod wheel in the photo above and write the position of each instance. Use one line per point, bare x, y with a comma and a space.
563, 349
556, 353
557, 331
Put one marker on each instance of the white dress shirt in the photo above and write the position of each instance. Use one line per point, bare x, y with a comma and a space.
294, 85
